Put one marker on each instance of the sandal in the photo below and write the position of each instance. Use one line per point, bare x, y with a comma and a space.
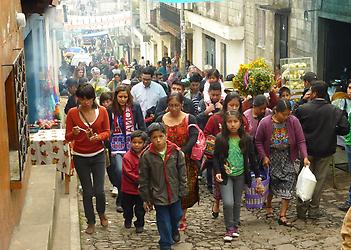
283, 221
182, 225
269, 213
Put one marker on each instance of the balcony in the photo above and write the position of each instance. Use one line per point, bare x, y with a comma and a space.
170, 19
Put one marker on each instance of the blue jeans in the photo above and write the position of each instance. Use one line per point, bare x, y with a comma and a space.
167, 220
231, 197
114, 172
348, 151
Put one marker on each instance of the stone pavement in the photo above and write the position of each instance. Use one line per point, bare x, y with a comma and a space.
203, 232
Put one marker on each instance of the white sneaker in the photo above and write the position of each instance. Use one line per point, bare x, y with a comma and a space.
114, 191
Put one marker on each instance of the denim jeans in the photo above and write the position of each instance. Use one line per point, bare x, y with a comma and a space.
167, 220
114, 172
348, 151
231, 196
86, 168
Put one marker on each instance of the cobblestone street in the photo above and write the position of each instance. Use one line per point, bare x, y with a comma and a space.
204, 232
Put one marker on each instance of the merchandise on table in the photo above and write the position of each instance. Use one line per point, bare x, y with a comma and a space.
292, 70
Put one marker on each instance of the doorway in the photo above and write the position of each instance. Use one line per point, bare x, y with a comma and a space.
334, 50
281, 37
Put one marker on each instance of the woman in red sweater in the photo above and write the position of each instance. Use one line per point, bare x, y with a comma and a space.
88, 126
214, 127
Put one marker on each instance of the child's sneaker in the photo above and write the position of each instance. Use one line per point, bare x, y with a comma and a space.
235, 232
228, 236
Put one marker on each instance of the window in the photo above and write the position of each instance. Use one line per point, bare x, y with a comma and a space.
17, 117
261, 28
210, 51
224, 59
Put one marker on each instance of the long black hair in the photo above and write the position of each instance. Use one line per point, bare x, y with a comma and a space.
231, 96
223, 139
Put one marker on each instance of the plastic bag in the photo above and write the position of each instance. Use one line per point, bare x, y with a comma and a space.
306, 182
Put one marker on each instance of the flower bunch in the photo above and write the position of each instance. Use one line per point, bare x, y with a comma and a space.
254, 78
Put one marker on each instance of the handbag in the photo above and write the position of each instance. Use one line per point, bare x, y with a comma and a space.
210, 142
198, 149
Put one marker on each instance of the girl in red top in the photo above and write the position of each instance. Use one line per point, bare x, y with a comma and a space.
214, 127
88, 126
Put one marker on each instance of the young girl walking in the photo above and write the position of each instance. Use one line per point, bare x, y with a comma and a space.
234, 160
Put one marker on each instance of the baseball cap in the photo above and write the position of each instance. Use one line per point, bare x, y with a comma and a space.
309, 76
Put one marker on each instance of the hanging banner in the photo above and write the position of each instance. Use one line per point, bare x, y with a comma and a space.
98, 22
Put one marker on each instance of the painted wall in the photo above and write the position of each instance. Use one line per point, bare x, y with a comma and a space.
11, 200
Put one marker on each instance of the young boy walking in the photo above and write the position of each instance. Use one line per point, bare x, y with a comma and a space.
162, 183
130, 175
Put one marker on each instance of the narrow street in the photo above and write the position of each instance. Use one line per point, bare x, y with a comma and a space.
203, 232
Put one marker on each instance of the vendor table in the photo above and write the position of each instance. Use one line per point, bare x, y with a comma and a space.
49, 147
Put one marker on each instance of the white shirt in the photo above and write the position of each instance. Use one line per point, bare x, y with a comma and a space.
147, 96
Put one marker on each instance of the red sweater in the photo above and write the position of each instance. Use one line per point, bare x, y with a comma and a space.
130, 173
82, 144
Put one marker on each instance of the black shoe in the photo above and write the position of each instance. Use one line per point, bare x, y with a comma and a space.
176, 236
139, 230
314, 216
127, 224
344, 207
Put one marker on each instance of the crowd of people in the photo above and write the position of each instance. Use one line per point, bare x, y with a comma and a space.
146, 127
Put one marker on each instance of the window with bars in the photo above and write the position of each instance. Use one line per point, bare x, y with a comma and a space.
17, 117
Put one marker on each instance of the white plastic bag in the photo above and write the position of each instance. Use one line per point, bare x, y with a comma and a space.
306, 182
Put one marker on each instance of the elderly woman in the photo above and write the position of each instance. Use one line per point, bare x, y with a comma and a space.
280, 142
178, 131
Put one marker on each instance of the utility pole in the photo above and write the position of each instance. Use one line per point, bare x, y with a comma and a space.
182, 40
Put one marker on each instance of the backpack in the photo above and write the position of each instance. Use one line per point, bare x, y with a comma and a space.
198, 149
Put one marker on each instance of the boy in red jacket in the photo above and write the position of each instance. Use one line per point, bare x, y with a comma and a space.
130, 176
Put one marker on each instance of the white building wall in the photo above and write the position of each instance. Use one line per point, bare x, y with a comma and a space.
198, 58
234, 51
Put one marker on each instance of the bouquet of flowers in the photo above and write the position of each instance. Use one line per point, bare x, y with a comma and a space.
254, 78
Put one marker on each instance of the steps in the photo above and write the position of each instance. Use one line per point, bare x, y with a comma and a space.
35, 229
50, 218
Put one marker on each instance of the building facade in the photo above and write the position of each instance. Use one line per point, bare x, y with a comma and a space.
12, 191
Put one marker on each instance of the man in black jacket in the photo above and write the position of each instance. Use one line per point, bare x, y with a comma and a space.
321, 122
188, 106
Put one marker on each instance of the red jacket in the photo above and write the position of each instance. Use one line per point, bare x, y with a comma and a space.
130, 173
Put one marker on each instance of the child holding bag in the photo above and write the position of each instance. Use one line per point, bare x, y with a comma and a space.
234, 160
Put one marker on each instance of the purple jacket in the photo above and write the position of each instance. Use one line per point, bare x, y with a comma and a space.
296, 137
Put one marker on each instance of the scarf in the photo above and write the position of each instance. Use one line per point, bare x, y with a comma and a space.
123, 127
